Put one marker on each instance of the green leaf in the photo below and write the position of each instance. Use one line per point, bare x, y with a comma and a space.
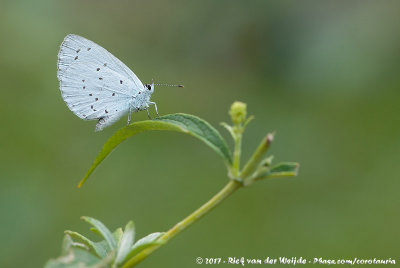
284, 169
103, 230
183, 123
94, 248
103, 247
144, 243
118, 233
126, 242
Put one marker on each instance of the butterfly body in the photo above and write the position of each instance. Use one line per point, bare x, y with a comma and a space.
95, 85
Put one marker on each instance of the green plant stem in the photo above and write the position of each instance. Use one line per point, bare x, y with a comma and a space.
229, 188
236, 154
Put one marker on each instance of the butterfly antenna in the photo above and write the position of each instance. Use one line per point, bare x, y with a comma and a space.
168, 85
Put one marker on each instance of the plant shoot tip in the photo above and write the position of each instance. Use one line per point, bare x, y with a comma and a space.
270, 138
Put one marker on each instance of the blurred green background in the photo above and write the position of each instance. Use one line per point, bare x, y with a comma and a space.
322, 74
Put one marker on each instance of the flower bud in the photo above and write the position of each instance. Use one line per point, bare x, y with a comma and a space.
238, 112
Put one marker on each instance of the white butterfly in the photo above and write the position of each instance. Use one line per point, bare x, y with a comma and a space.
96, 85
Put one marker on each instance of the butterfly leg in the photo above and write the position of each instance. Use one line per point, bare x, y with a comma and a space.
129, 116
148, 114
155, 106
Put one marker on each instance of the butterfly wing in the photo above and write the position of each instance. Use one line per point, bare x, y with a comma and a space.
93, 83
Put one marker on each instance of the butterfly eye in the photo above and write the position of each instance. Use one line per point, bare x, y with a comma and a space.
148, 87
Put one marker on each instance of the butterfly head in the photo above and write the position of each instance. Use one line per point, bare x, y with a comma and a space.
149, 88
